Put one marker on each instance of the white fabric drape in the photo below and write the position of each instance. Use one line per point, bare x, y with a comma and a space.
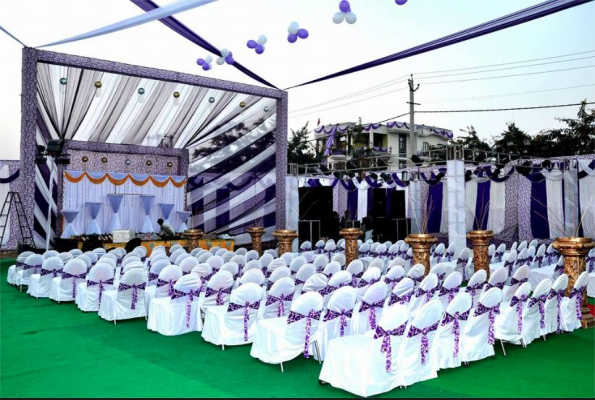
444, 218
470, 201
4, 189
587, 201
131, 211
555, 203
292, 206
362, 204
496, 217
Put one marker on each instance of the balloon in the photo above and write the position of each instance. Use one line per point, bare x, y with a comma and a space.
229, 59
209, 59
338, 18
211, 99
206, 67
220, 61
252, 44
400, 2
303, 33
262, 39
344, 6
224, 53
200, 61
293, 28
259, 49
350, 18
292, 38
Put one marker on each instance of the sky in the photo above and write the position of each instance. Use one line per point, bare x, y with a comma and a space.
382, 28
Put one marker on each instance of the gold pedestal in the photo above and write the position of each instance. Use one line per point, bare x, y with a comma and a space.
285, 239
193, 236
421, 243
481, 242
351, 251
256, 234
574, 250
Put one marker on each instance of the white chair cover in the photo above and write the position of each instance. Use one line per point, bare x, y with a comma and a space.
424, 293
509, 326
369, 311
450, 288
252, 255
240, 260
63, 288
218, 290
447, 341
278, 299
520, 276
253, 264
553, 306
232, 268
76, 252
39, 284
402, 293
315, 283
416, 273
265, 260
203, 271
304, 273
279, 273
395, 274
204, 257
534, 318
331, 268
216, 262
297, 263
320, 262
165, 284
89, 293
241, 251
127, 301
288, 257
32, 265
174, 248
340, 258
112, 262
477, 339
156, 269
182, 257
475, 285
571, 306
222, 252
276, 263
370, 277
50, 253
309, 256
252, 276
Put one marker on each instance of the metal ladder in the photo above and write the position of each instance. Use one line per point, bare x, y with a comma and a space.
13, 199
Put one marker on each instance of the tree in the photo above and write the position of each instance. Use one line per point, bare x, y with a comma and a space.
469, 142
513, 140
299, 149
578, 137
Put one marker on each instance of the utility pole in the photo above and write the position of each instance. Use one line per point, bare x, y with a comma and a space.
412, 104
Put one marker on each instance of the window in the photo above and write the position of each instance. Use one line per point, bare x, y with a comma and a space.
426, 146
402, 144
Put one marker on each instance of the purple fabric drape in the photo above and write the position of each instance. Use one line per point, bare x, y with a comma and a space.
482, 206
540, 226
147, 202
352, 204
329, 142
434, 204
166, 210
11, 178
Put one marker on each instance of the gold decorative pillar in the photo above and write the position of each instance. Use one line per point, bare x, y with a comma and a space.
256, 235
193, 236
574, 250
421, 243
285, 238
481, 242
351, 251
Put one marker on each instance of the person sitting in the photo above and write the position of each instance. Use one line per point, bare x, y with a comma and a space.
166, 231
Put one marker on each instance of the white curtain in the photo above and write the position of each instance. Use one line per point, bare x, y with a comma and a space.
587, 201
131, 211
4, 189
555, 202
496, 217
470, 202
444, 218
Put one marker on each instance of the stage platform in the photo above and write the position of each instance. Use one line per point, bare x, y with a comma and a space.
206, 244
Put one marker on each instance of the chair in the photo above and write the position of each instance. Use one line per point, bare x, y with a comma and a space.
305, 272
279, 273
75, 252
265, 260
551, 256
498, 254
195, 251
315, 283
253, 264
538, 260
319, 246
447, 340
320, 262
509, 326
522, 246
553, 306
39, 284
232, 268
522, 259
252, 255
519, 277
399, 261
241, 251
476, 284
424, 293
228, 256
165, 285
182, 257
272, 252
441, 270
177, 253
50, 253
416, 273
309, 256
204, 257
240, 260
63, 288
381, 251
279, 340
132, 265
534, 318
497, 280
32, 265
107, 260
177, 314
393, 250
156, 269
394, 275
450, 288
90, 293
369, 311
401, 294
288, 257
438, 254
234, 324
215, 262
463, 263
142, 251
278, 299
534, 243
203, 271
221, 252
66, 256
531, 253
296, 264
175, 247
276, 263
364, 250
188, 264
571, 305
356, 269
218, 290
373, 373
340, 258
450, 253
330, 248
127, 301
100, 251
477, 339
88, 261
253, 276
306, 246
337, 281
370, 277
331, 268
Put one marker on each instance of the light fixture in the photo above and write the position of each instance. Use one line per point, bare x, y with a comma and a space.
98, 88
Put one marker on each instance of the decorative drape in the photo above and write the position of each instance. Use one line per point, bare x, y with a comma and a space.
4, 189
444, 219
497, 215
554, 184
118, 179
470, 201
434, 207
587, 197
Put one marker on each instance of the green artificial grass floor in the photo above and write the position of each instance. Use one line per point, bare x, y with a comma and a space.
55, 350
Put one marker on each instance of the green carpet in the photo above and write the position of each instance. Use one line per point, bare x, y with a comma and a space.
55, 350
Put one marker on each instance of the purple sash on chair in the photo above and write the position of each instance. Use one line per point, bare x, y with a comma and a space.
101, 288
34, 267
66, 275
498, 256
510, 265
462, 262
19, 265
450, 292
393, 282
295, 317
474, 288
537, 260
246, 307
344, 314
400, 299
386, 342
319, 249
354, 279
590, 263
448, 256
541, 301
281, 299
499, 285
493, 311
153, 276
518, 302
54, 272
417, 279
427, 293
558, 295
135, 288
299, 281
330, 289
219, 292
578, 296
306, 249
363, 283
372, 314
425, 343
514, 281
549, 258
178, 294
456, 328
171, 283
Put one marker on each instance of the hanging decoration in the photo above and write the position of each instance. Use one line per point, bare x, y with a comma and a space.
226, 57
211, 100
141, 92
205, 63
345, 13
296, 32
242, 104
98, 89
176, 99
400, 2
63, 82
104, 160
267, 109
257, 45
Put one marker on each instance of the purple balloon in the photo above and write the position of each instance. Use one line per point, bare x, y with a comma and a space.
400, 2
200, 61
252, 44
345, 7
259, 49
229, 59
292, 38
206, 67
303, 33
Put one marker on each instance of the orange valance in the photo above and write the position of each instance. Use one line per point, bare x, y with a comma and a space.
120, 179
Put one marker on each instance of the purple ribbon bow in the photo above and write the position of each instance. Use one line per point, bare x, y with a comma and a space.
499, 285
538, 260
281, 300
305, 249
549, 257
509, 265
386, 342
319, 249
246, 307
372, 314
54, 272
344, 314
474, 288
514, 281
354, 279
219, 292
518, 302
19, 265
558, 295
153, 276
425, 343
541, 301
363, 283
135, 288
427, 293
590, 263
101, 287
171, 283
299, 281
393, 282
295, 316
578, 296
400, 299
450, 292
493, 311
417, 279
330, 289
178, 294
34, 267
66, 275
456, 327
449, 255
498, 256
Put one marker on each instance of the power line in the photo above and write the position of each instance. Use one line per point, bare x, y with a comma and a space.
503, 109
509, 76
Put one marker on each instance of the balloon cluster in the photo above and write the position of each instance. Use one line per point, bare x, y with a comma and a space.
257, 45
226, 57
345, 13
206, 62
296, 32
400, 2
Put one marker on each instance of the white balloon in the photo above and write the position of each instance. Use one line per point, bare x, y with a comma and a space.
262, 39
293, 28
338, 18
220, 60
224, 53
350, 18
209, 59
